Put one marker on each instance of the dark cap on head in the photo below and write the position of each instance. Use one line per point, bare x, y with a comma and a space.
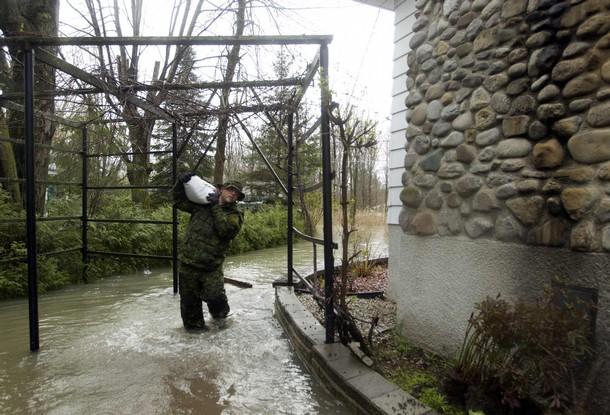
237, 186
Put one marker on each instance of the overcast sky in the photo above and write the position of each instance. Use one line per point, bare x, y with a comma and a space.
361, 51
360, 54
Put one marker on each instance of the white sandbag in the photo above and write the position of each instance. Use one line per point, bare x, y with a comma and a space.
197, 190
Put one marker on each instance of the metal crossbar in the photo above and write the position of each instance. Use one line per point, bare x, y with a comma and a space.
163, 87
127, 153
43, 219
312, 239
25, 258
52, 182
126, 254
128, 187
51, 147
34, 41
55, 148
149, 222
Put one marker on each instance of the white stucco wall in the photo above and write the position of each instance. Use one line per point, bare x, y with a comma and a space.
436, 281
403, 20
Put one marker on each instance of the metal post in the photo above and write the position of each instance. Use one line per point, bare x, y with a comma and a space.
329, 265
289, 195
84, 202
30, 189
174, 209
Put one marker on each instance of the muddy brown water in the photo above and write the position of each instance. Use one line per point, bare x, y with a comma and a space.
118, 347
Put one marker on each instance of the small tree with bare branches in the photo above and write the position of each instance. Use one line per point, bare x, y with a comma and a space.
354, 134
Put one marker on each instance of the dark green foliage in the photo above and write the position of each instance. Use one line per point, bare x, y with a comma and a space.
263, 229
416, 371
526, 353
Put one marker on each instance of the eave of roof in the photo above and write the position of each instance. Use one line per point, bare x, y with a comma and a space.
384, 4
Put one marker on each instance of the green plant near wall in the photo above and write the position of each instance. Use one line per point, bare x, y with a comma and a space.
426, 388
416, 371
528, 351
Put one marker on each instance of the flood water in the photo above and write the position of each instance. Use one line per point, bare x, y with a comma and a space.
117, 346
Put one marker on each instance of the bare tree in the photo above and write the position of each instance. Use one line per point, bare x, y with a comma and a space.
229, 73
122, 67
370, 160
365, 183
353, 133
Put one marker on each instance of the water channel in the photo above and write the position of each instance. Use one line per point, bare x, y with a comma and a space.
117, 346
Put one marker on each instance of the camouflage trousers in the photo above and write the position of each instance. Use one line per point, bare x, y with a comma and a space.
197, 286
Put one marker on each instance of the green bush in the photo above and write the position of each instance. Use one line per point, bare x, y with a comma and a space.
262, 229
265, 228
417, 372
528, 351
53, 271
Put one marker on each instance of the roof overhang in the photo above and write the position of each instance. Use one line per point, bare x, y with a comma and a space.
384, 4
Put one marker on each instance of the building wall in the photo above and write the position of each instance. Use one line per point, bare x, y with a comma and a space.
505, 182
404, 17
383, 4
435, 281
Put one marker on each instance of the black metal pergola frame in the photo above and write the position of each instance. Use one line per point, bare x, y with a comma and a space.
29, 44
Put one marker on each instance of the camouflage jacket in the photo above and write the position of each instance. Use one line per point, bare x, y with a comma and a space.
209, 231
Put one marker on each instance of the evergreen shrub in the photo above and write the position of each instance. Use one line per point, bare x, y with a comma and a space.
264, 228
526, 353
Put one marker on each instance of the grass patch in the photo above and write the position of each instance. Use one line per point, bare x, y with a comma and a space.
416, 371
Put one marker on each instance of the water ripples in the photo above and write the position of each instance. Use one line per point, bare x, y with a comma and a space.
118, 347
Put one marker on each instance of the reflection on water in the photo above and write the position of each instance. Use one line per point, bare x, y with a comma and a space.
118, 347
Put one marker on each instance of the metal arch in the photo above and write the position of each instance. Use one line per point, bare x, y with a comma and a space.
28, 42
35, 41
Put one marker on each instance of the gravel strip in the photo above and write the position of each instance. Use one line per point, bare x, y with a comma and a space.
364, 309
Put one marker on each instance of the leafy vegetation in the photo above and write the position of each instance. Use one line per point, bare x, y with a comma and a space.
524, 355
363, 258
262, 229
416, 371
522, 358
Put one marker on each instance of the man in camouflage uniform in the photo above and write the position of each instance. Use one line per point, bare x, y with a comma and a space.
203, 249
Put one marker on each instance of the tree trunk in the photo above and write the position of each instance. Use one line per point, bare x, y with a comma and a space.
138, 167
123, 68
344, 202
40, 17
309, 228
223, 118
44, 131
8, 168
369, 187
354, 191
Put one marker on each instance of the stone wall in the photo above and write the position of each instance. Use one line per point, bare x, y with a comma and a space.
435, 282
509, 122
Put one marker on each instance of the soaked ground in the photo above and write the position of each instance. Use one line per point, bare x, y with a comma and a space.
118, 347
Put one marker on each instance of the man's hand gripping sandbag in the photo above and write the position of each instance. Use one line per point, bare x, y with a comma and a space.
198, 190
